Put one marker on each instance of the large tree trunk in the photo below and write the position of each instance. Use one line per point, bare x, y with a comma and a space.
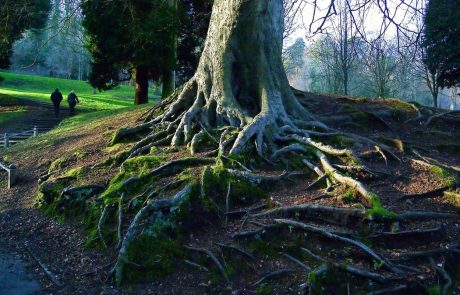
142, 85
169, 76
240, 80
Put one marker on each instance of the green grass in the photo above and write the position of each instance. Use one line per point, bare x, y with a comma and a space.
7, 116
71, 127
40, 88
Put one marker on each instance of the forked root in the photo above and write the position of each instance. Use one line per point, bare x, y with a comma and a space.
135, 227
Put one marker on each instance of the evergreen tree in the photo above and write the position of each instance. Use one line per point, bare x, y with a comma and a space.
140, 39
442, 41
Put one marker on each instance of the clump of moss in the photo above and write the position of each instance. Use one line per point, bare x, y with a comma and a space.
75, 173
378, 211
433, 290
400, 105
58, 164
350, 196
80, 154
446, 178
112, 161
216, 181
132, 177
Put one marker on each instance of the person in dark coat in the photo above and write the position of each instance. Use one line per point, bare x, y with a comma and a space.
56, 98
72, 99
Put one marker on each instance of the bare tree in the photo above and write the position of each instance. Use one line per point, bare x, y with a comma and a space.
380, 61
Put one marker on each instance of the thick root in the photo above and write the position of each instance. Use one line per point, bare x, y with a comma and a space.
135, 228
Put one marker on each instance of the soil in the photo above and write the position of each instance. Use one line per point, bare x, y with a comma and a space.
85, 270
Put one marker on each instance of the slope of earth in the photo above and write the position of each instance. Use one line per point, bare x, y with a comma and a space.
279, 235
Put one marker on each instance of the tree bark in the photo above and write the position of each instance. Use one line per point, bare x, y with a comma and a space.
240, 80
169, 83
169, 76
142, 85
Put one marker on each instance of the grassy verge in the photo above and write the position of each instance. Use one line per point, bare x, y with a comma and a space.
39, 88
76, 126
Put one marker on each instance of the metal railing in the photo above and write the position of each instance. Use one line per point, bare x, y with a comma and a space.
9, 139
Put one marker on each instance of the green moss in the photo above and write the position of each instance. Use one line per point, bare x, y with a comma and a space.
155, 255
114, 148
134, 173
58, 164
80, 154
378, 211
265, 290
399, 105
265, 248
446, 178
113, 160
452, 198
75, 173
143, 164
216, 181
350, 196
434, 290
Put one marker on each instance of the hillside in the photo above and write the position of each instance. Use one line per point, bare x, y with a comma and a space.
261, 250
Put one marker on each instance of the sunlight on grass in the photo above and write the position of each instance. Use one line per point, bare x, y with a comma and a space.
7, 116
39, 88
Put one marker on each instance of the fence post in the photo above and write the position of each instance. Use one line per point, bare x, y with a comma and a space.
12, 176
35, 131
6, 140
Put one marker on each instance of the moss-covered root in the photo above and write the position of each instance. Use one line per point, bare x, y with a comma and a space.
135, 227
369, 198
122, 133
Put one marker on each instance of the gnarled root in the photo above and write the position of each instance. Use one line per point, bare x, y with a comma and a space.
135, 227
330, 235
349, 268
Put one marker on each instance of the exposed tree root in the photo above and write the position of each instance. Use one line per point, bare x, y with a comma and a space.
45, 269
213, 258
369, 198
120, 220
125, 132
431, 194
430, 119
330, 235
177, 166
101, 222
391, 290
347, 214
446, 277
237, 250
395, 239
453, 249
135, 227
261, 179
349, 268
272, 275
296, 261
194, 264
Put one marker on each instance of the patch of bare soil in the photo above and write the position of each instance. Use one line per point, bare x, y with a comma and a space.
259, 255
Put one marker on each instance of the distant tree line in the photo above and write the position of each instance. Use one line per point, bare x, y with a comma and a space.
57, 49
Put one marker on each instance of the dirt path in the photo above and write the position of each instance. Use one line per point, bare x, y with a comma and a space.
39, 115
15, 279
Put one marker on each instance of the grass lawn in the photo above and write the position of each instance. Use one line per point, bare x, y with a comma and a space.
87, 125
39, 88
7, 116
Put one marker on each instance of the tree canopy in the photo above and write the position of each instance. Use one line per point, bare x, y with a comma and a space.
442, 42
138, 37
18, 16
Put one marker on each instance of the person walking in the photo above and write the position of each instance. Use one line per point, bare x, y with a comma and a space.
56, 98
72, 99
